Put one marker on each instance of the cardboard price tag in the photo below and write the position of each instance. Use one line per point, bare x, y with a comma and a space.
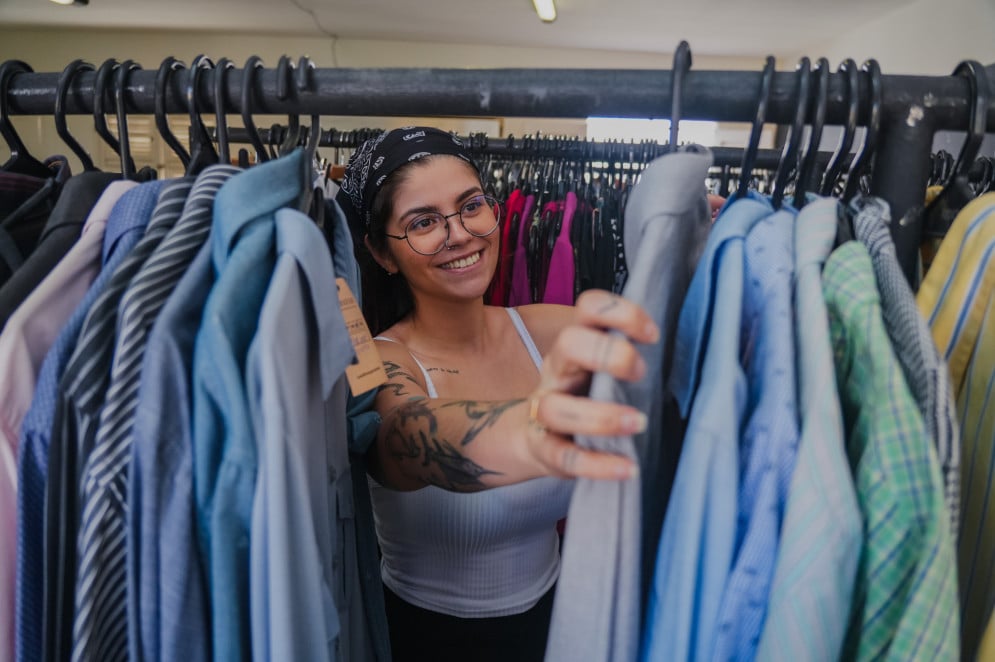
368, 371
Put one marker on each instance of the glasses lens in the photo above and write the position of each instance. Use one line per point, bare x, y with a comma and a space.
427, 234
481, 215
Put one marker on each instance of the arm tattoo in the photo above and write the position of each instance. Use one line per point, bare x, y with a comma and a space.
481, 415
397, 376
415, 441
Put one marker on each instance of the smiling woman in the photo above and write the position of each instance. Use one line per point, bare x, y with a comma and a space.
479, 399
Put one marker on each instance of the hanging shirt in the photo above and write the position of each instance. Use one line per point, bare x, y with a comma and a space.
511, 223
297, 358
225, 455
77, 198
956, 299
601, 592
36, 429
769, 440
926, 374
822, 533
26, 340
520, 292
695, 550
905, 599
160, 621
560, 279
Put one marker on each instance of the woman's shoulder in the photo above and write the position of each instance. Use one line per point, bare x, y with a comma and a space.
545, 321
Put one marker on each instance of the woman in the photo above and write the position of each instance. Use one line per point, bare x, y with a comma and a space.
477, 397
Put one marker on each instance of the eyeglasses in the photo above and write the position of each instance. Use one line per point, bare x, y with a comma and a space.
428, 233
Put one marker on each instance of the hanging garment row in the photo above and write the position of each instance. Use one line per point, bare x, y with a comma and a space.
148, 445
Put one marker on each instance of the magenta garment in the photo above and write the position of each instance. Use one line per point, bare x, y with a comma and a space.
519, 295
560, 281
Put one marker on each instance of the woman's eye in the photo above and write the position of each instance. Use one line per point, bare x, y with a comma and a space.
472, 207
422, 224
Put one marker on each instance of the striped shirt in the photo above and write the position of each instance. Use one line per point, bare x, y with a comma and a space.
906, 591
956, 299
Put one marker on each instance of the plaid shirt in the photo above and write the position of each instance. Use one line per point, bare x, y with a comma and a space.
906, 591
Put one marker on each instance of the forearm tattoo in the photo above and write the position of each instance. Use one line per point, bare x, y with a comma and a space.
414, 440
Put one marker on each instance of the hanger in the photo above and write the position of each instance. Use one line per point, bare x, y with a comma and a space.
61, 127
221, 109
852, 98
248, 92
291, 134
168, 66
750, 155
866, 152
202, 152
789, 156
127, 164
682, 64
20, 160
100, 84
815, 134
957, 191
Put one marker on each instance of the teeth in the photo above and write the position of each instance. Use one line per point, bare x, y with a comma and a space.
463, 263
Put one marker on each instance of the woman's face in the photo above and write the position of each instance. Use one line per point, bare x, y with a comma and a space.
464, 267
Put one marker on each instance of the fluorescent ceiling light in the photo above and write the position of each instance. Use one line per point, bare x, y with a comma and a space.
71, 2
546, 10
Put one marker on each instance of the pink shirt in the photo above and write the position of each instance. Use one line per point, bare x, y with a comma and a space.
560, 279
25, 341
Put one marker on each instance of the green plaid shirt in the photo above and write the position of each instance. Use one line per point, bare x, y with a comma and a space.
905, 600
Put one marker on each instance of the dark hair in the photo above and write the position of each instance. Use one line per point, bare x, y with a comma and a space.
387, 299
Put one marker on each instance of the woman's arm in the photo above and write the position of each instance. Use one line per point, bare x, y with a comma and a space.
470, 445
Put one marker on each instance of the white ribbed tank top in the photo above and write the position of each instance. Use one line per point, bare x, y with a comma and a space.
479, 555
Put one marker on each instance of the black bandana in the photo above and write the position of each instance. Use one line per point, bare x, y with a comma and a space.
378, 157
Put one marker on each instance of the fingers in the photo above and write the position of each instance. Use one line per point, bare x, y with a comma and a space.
567, 460
570, 415
591, 350
598, 308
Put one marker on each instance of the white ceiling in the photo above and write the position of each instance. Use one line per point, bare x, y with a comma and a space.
713, 27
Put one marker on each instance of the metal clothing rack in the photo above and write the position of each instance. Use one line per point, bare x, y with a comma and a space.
912, 108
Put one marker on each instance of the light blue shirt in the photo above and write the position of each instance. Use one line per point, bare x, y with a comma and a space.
299, 353
243, 246
696, 547
822, 532
769, 439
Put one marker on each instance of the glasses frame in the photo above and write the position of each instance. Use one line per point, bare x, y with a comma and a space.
491, 201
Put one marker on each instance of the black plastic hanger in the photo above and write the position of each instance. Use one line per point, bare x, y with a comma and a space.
61, 127
852, 89
682, 64
291, 137
865, 154
957, 191
162, 79
221, 108
100, 89
127, 164
20, 160
202, 152
248, 93
789, 155
750, 154
807, 169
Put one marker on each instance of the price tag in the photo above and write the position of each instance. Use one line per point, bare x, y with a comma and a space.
368, 372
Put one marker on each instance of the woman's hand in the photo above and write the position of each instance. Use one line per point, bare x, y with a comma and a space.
557, 410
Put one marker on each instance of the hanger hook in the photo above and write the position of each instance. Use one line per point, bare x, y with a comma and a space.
61, 126
866, 151
248, 93
682, 64
162, 79
8, 70
852, 97
809, 160
99, 96
305, 79
974, 71
750, 155
127, 164
789, 156
221, 107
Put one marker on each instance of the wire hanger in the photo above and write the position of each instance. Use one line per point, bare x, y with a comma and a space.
61, 126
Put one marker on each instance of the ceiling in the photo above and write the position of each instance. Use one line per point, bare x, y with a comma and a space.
713, 27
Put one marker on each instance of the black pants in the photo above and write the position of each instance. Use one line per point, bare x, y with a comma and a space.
421, 635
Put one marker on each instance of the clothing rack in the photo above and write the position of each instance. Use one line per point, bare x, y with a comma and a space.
912, 108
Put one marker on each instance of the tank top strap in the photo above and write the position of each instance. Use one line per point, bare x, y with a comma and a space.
523, 333
432, 393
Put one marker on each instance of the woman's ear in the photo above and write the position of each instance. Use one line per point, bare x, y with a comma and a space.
382, 257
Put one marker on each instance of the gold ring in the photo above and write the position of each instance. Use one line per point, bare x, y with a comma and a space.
534, 413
